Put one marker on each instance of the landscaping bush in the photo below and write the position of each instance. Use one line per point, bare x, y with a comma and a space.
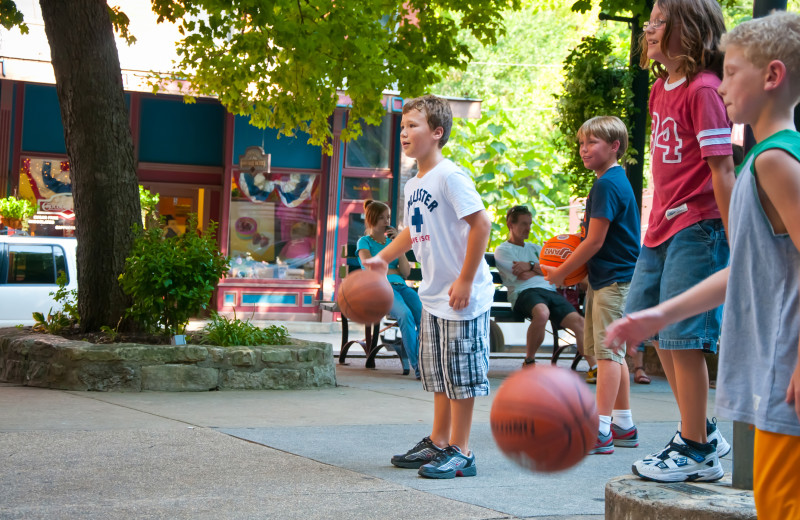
171, 279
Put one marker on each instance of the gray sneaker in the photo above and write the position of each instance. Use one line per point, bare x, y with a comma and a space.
450, 463
422, 453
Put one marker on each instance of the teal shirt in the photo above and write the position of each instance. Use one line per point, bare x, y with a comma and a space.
369, 243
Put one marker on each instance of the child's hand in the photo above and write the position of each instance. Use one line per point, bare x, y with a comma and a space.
553, 275
633, 329
376, 263
391, 232
793, 392
459, 294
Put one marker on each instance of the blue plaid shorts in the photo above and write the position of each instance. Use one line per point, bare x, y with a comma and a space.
454, 355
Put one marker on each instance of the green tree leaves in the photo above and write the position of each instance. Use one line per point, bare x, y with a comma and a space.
282, 62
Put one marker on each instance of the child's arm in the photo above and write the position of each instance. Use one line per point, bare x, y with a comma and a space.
396, 247
598, 228
723, 177
479, 228
638, 326
780, 181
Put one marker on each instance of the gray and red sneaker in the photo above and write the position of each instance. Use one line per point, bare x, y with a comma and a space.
604, 445
625, 438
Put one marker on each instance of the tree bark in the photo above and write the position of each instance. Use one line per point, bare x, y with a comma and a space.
100, 150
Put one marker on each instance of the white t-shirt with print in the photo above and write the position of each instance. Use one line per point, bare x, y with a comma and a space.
504, 257
436, 205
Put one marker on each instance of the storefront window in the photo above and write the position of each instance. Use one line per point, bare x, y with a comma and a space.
273, 225
47, 182
372, 149
363, 188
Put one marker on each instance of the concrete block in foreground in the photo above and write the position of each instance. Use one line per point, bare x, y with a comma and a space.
631, 498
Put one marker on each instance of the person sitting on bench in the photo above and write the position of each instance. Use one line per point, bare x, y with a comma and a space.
529, 293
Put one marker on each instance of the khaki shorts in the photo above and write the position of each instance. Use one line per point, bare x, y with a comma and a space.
602, 307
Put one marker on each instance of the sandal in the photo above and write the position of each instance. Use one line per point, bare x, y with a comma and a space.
641, 379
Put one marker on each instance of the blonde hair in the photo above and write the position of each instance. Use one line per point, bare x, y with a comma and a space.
373, 210
773, 37
437, 112
701, 26
607, 128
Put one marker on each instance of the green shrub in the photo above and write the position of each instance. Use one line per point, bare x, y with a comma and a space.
228, 332
65, 319
171, 279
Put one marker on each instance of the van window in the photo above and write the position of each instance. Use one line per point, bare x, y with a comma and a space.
61, 262
29, 264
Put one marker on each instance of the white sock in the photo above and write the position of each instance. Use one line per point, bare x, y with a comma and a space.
623, 419
605, 424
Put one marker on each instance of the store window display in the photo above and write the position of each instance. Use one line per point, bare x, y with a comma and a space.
273, 225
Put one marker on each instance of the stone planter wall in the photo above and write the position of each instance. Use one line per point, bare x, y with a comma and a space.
47, 361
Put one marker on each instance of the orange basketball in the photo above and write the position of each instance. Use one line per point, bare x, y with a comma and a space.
365, 296
556, 250
544, 418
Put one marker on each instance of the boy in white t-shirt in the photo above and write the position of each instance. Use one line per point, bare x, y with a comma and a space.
448, 228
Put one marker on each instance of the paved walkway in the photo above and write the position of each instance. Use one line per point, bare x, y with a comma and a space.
283, 454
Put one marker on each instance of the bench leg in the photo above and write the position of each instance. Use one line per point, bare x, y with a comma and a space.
558, 349
372, 348
345, 343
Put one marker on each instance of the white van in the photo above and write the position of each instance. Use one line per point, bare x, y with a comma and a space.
29, 267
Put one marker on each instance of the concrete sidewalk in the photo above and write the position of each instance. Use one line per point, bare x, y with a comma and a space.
284, 454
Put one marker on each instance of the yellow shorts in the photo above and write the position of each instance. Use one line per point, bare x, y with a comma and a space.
776, 477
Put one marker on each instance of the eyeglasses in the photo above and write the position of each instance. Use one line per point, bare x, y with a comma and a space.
655, 25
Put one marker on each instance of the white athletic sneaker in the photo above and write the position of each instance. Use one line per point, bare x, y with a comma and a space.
712, 434
680, 462
715, 436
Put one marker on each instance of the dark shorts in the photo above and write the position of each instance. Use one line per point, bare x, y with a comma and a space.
558, 305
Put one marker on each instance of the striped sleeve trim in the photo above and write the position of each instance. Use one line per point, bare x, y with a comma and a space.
714, 136
711, 142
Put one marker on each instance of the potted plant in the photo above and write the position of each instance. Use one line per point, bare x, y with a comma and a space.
15, 211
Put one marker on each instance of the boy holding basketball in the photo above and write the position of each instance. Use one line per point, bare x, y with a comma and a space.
609, 248
759, 367
447, 225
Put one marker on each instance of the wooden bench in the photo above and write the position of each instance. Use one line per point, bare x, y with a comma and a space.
502, 312
372, 342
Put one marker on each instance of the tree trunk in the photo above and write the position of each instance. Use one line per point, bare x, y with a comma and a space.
100, 150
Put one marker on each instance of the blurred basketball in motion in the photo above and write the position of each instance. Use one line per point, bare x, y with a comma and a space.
544, 418
365, 296
556, 250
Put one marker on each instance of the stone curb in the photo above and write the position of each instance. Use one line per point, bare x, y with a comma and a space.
47, 361
631, 498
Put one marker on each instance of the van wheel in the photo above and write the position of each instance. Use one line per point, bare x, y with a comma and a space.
497, 343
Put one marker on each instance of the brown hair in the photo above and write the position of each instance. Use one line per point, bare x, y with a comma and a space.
607, 128
701, 26
437, 112
514, 212
373, 210
773, 37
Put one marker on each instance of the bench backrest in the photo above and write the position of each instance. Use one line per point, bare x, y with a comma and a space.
351, 263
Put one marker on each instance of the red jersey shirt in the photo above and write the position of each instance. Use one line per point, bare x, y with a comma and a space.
689, 124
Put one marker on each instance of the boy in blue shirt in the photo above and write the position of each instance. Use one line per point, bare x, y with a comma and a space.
609, 246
